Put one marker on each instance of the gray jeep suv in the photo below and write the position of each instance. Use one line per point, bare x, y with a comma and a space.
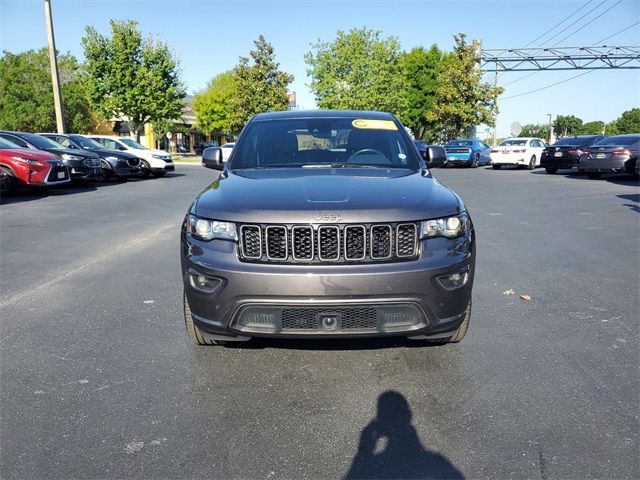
326, 224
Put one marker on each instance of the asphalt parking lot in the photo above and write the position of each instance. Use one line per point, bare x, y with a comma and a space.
99, 379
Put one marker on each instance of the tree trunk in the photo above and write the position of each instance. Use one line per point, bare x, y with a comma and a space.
139, 129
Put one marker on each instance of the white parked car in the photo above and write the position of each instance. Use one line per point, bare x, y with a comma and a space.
155, 162
227, 148
521, 152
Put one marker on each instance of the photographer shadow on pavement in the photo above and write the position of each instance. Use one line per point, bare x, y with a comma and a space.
390, 447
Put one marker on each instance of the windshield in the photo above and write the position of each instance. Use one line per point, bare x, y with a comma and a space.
85, 142
622, 140
510, 143
130, 143
458, 143
324, 142
6, 144
43, 143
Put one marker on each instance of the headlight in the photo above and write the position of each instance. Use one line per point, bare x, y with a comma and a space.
111, 158
449, 227
27, 161
68, 157
205, 229
161, 157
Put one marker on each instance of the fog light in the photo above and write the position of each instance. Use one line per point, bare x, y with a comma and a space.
204, 284
454, 281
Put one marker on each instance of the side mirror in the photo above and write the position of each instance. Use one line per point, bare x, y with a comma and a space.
212, 158
435, 156
122, 148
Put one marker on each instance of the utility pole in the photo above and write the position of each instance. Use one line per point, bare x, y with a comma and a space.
550, 128
495, 110
53, 63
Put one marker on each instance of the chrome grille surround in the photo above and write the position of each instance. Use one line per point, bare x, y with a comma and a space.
381, 240
328, 243
406, 237
248, 236
279, 234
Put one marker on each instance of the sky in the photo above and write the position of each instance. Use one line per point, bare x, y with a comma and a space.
209, 36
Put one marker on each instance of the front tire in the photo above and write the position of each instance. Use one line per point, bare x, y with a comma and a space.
476, 160
551, 171
496, 167
532, 163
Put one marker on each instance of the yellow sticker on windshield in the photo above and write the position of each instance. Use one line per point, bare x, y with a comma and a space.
374, 124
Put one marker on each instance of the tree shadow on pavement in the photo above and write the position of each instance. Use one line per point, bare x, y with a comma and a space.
390, 448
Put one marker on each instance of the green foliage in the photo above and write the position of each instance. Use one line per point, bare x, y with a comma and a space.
358, 71
535, 130
592, 128
462, 99
628, 122
260, 86
26, 94
611, 129
421, 69
132, 77
214, 104
567, 125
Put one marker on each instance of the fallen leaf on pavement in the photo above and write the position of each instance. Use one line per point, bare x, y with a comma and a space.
525, 297
509, 292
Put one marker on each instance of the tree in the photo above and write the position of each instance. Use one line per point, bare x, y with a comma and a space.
462, 99
592, 128
358, 71
567, 125
131, 77
26, 94
535, 130
421, 68
628, 122
261, 87
214, 104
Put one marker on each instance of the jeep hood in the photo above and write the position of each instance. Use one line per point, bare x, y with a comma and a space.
325, 195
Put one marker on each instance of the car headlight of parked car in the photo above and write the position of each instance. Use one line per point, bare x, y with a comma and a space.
205, 229
161, 157
448, 227
28, 161
70, 158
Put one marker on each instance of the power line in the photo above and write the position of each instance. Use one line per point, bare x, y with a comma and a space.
558, 24
589, 22
548, 86
617, 33
586, 14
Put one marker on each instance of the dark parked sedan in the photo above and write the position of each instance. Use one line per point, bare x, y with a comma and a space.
82, 165
566, 152
613, 154
114, 164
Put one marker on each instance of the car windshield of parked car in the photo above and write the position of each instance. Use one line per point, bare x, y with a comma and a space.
512, 143
85, 142
130, 143
41, 142
324, 142
459, 143
7, 145
621, 140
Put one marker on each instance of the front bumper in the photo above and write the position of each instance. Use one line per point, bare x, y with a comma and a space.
79, 171
297, 300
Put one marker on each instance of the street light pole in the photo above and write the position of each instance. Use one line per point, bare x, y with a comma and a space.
550, 128
495, 110
53, 63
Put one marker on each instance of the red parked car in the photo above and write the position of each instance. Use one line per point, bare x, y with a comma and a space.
31, 167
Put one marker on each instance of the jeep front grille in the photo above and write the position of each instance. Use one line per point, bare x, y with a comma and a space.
328, 243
